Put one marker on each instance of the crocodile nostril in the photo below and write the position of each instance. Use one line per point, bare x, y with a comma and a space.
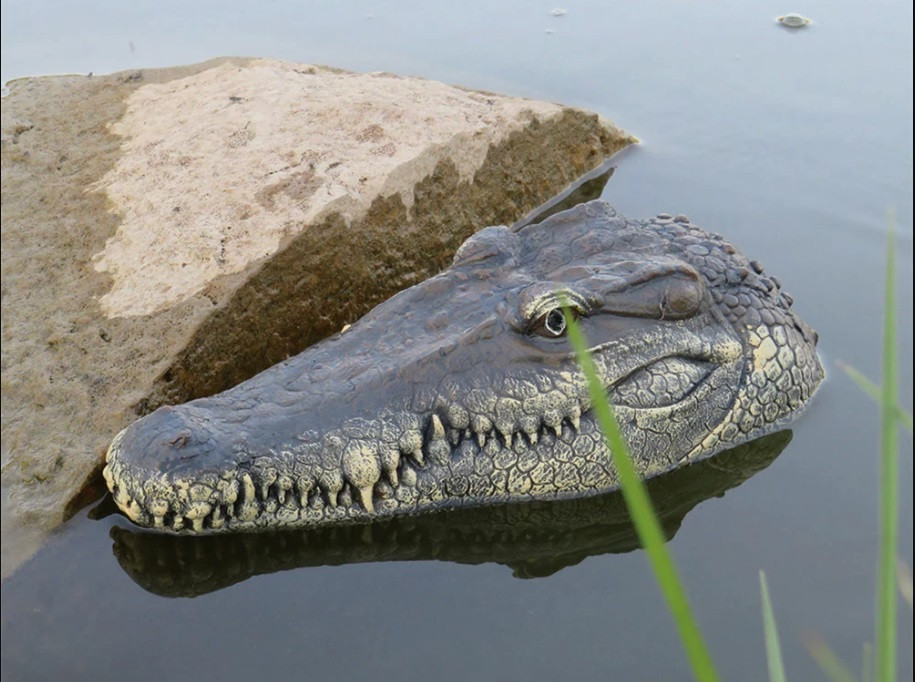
181, 438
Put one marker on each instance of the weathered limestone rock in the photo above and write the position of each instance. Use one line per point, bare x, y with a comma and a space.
168, 233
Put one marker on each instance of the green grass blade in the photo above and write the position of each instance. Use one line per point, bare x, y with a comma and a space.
643, 516
874, 391
885, 640
773, 647
829, 663
865, 384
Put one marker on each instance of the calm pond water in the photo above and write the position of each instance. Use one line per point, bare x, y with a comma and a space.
792, 144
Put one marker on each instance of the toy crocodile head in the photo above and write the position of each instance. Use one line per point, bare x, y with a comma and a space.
464, 390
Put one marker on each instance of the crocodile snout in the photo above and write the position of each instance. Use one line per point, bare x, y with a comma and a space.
174, 436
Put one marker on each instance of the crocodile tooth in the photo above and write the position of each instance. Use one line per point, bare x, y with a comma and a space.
454, 437
436, 431
437, 448
362, 469
305, 485
575, 417
332, 483
178, 523
248, 483
249, 507
231, 493
218, 521
411, 443
365, 493
390, 460
529, 426
268, 478
481, 439
283, 485
197, 524
553, 420
159, 521
467, 433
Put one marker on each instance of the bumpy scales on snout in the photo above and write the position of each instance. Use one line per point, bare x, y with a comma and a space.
464, 390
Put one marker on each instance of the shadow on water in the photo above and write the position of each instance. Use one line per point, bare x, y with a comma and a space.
533, 539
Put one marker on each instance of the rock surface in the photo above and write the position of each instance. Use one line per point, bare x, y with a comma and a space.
168, 233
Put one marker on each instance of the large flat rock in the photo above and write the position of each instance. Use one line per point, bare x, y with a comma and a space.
168, 233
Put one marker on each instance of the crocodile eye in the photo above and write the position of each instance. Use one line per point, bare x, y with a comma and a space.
553, 323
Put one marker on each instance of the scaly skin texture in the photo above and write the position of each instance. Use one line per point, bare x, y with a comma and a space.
463, 390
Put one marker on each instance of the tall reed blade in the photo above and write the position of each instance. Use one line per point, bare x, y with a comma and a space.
885, 641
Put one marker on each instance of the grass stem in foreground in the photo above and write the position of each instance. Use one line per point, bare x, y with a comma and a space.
885, 640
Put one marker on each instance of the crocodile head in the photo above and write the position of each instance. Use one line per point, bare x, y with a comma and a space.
464, 390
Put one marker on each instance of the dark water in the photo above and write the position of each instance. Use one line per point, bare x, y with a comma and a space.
793, 145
